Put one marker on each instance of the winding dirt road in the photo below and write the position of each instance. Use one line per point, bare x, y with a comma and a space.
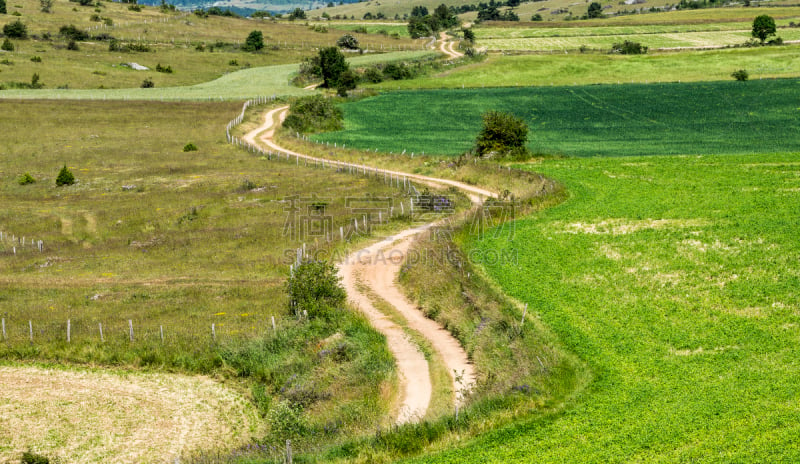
447, 46
372, 272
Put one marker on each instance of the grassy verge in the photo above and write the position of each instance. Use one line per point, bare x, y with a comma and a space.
684, 306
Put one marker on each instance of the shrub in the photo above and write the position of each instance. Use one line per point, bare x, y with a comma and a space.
502, 135
536, 17
629, 48
254, 42
740, 75
36, 59
315, 287
29, 457
190, 147
163, 69
372, 75
348, 41
16, 30
26, 179
65, 177
71, 32
285, 421
7, 46
95, 18
313, 114
595, 10
72, 45
397, 71
148, 83
3, 7
134, 7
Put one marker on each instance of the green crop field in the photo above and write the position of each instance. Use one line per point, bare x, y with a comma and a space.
608, 120
676, 280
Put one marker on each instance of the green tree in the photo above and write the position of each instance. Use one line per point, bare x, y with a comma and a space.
65, 177
502, 135
315, 287
763, 27
419, 27
332, 64
347, 81
595, 10
2, 6
254, 42
16, 30
444, 18
348, 41
469, 35
7, 46
297, 13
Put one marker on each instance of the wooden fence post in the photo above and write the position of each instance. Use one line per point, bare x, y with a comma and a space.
100, 326
130, 328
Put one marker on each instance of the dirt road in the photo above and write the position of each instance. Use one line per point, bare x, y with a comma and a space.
447, 46
373, 271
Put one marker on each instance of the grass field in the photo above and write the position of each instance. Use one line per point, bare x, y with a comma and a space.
577, 68
240, 85
653, 41
675, 279
132, 418
198, 50
178, 241
608, 120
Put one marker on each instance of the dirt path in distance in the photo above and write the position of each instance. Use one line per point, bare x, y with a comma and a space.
376, 267
447, 46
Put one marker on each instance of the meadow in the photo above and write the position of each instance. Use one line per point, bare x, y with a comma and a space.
191, 246
197, 51
243, 84
675, 280
654, 41
608, 120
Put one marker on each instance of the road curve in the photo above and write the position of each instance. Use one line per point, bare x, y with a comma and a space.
372, 272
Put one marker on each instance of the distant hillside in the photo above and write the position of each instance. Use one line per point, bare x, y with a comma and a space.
246, 7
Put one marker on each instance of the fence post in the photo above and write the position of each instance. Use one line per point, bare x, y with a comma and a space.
4, 328
130, 328
69, 329
30, 329
213, 331
161, 329
100, 326
289, 451
273, 324
522, 321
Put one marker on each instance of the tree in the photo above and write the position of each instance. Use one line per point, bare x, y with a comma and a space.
595, 10
7, 46
2, 6
332, 64
315, 287
419, 11
314, 114
418, 27
65, 177
469, 35
763, 27
347, 81
444, 18
503, 134
16, 30
254, 42
348, 41
536, 17
297, 13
